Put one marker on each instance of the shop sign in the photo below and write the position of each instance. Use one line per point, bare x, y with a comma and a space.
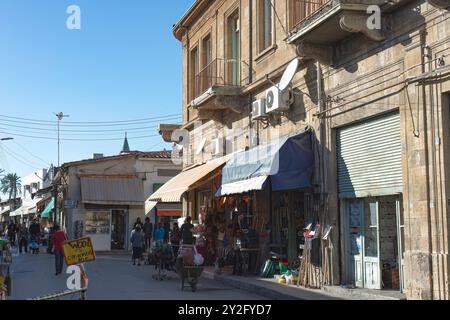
69, 204
79, 251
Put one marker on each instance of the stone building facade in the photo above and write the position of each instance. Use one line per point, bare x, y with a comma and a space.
354, 82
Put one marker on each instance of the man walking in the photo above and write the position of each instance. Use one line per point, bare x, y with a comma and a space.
23, 236
58, 239
148, 232
12, 233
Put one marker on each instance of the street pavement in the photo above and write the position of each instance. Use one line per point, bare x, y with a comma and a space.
111, 278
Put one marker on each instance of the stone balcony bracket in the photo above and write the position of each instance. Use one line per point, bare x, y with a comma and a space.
166, 130
218, 106
321, 53
356, 21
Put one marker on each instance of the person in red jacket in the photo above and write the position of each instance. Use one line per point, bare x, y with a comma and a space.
58, 239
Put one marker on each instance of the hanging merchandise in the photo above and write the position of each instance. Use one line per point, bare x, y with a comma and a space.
326, 232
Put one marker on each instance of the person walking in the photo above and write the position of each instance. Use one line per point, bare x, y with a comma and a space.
137, 241
186, 231
148, 232
35, 229
23, 237
58, 239
12, 233
166, 226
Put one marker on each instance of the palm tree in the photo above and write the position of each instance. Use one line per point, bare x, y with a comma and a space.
10, 184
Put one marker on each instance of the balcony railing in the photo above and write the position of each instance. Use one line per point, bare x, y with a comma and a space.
302, 9
220, 72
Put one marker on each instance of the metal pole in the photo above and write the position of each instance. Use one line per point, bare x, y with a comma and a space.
59, 142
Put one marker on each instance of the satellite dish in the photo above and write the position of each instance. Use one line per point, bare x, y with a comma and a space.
288, 75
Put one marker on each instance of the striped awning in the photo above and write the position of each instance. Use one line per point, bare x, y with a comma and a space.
173, 190
123, 191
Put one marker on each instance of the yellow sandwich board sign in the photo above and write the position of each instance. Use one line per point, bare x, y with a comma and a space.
79, 251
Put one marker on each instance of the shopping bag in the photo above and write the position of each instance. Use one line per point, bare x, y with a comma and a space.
198, 258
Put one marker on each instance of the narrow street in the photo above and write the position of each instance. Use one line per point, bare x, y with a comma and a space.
112, 278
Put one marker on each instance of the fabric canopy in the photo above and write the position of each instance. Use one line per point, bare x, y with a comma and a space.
149, 205
243, 186
172, 190
288, 161
24, 208
4, 210
48, 209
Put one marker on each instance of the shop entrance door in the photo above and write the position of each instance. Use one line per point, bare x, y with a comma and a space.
364, 245
118, 230
375, 242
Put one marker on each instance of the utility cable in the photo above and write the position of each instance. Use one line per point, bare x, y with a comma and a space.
20, 160
91, 123
33, 155
69, 139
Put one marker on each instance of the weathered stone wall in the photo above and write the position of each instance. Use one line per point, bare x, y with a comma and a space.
368, 78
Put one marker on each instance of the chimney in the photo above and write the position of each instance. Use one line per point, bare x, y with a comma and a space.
97, 156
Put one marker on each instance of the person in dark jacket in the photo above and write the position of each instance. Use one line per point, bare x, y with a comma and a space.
186, 231
148, 233
175, 237
12, 233
23, 236
137, 241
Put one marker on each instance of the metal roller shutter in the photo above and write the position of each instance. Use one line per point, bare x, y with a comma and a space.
370, 158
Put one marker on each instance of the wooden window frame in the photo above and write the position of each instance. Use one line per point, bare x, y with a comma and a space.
260, 26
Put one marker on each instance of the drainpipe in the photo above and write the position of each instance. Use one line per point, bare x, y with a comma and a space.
250, 68
250, 37
427, 162
188, 62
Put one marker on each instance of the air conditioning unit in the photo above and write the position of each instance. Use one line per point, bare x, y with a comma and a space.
277, 100
259, 109
218, 146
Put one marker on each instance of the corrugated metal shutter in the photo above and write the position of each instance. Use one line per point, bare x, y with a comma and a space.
370, 158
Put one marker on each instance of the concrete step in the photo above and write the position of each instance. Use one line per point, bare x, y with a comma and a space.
268, 288
365, 294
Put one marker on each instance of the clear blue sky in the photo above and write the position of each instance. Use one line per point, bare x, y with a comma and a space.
123, 64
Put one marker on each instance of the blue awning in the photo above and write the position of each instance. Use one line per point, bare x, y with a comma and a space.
287, 161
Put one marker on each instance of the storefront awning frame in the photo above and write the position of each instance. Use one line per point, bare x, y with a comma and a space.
288, 162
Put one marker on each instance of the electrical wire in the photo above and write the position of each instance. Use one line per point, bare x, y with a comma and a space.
96, 122
31, 154
65, 124
69, 139
20, 160
5, 123
22, 157
53, 133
